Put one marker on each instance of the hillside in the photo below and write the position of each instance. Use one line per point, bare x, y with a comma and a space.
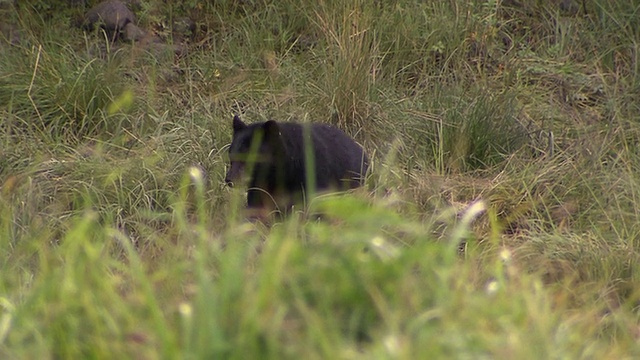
500, 218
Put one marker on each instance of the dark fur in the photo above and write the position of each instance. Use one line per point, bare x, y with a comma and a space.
279, 176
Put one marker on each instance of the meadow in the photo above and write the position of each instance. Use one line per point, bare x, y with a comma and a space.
500, 218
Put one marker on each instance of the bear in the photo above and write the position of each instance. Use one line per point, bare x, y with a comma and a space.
273, 156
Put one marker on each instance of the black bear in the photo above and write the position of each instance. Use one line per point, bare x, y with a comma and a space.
286, 162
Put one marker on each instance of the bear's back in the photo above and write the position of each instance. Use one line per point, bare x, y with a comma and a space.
337, 156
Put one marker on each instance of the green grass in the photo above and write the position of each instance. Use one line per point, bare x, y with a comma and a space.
500, 218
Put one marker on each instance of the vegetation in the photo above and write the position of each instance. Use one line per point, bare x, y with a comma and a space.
500, 220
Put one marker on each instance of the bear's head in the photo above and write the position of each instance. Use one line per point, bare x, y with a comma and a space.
252, 145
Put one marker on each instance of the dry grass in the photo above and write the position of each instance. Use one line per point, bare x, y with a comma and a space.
120, 240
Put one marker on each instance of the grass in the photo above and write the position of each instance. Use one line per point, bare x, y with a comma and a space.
500, 215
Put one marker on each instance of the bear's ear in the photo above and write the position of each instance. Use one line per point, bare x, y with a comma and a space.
271, 129
238, 124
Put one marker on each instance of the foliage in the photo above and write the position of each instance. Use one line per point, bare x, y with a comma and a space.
500, 215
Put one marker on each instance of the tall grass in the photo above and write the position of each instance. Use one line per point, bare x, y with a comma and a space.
395, 292
500, 215
59, 94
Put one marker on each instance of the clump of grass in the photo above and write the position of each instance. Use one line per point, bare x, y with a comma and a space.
348, 76
474, 134
458, 131
60, 95
401, 294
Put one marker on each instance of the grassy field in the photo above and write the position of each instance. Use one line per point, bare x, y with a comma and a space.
501, 218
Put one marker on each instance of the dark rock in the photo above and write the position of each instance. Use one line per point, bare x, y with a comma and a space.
172, 75
111, 15
10, 34
133, 33
302, 43
183, 28
162, 51
101, 50
7, 4
569, 7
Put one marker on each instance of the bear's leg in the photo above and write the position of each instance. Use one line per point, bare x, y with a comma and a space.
261, 206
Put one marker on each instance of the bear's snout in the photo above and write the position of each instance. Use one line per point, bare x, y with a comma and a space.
228, 179
234, 173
